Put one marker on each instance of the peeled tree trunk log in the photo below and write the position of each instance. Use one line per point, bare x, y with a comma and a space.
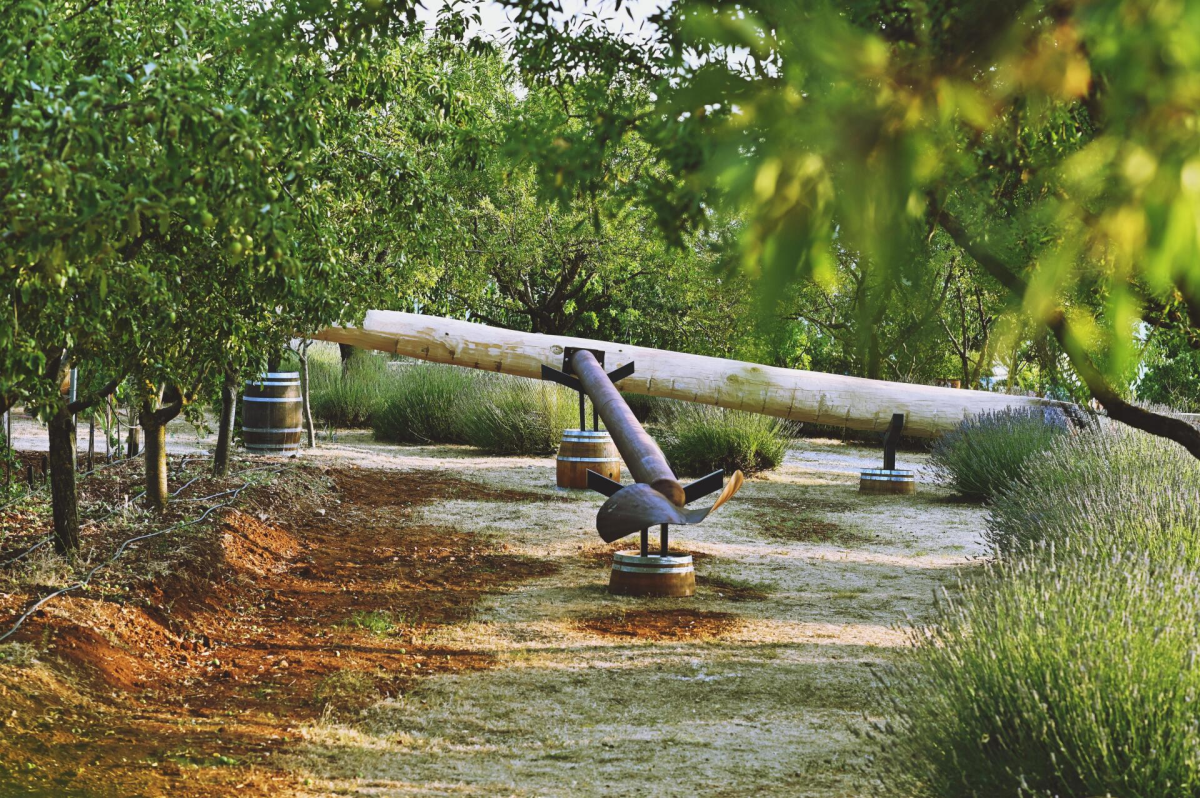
808, 396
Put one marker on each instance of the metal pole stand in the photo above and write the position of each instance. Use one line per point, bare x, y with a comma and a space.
889, 479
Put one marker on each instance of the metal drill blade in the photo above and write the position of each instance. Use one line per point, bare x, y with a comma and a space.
638, 507
634, 508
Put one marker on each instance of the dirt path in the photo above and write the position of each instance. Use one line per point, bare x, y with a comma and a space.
755, 687
408, 621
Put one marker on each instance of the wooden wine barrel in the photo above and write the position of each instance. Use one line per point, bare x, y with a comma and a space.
271, 414
655, 575
586, 450
882, 480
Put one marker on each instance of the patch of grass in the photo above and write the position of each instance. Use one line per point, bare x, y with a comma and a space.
1070, 676
849, 593
497, 413
648, 409
1116, 487
346, 397
346, 690
733, 589
698, 439
986, 453
796, 522
378, 623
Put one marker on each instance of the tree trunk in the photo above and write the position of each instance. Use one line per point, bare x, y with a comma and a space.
225, 431
64, 501
874, 361
91, 461
132, 449
156, 461
108, 415
345, 350
305, 407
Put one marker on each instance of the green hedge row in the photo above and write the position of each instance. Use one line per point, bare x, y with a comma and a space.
1071, 665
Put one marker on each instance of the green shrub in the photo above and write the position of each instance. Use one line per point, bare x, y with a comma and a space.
509, 415
347, 397
987, 452
1071, 678
1116, 487
648, 409
423, 404
699, 438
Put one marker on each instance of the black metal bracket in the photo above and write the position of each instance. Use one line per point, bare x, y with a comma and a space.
890, 439
704, 486
552, 374
568, 351
621, 372
602, 484
571, 381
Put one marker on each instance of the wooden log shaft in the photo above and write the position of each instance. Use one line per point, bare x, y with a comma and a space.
808, 396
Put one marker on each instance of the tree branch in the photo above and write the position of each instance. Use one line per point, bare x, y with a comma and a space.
1157, 424
83, 403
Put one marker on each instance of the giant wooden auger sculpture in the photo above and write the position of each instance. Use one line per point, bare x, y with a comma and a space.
658, 498
655, 499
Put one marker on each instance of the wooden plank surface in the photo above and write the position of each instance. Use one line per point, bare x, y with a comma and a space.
809, 396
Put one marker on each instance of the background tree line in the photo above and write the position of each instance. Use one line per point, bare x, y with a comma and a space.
894, 190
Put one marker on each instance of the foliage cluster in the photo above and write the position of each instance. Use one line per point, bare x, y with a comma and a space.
1115, 488
349, 395
1073, 674
423, 404
510, 415
1069, 667
1003, 171
988, 452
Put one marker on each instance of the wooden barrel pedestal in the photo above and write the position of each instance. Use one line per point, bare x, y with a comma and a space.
271, 415
883, 480
586, 450
655, 575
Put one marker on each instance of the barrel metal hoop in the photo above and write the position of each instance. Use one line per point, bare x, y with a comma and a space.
625, 568
272, 429
652, 560
589, 459
273, 447
271, 398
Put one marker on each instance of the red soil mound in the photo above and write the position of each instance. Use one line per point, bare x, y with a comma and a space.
263, 621
672, 624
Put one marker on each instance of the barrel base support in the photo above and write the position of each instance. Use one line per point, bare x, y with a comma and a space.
582, 451
887, 481
671, 575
